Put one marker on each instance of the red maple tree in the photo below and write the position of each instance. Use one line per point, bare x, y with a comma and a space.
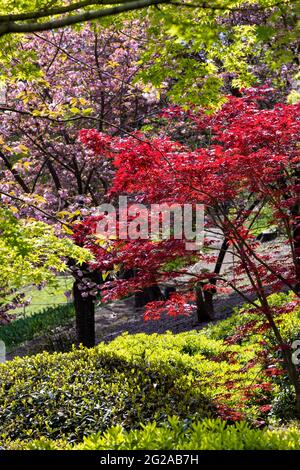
247, 160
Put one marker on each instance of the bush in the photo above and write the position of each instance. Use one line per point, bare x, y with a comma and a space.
140, 378
88, 390
176, 435
242, 316
25, 329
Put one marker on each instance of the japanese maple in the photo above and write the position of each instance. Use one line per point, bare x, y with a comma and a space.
249, 159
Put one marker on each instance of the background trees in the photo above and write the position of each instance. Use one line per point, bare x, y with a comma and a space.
199, 46
190, 53
84, 79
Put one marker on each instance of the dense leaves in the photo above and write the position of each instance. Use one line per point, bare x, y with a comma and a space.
31, 253
137, 378
75, 394
202, 46
207, 434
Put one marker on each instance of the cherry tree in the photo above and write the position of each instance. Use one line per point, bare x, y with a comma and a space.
85, 79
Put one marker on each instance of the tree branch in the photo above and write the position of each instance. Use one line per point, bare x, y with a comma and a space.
7, 27
14, 172
10, 23
42, 13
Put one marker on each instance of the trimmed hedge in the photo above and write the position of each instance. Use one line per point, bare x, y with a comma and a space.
142, 378
25, 329
133, 379
176, 435
88, 390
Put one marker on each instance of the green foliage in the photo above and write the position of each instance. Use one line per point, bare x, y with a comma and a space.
31, 253
141, 378
205, 435
284, 405
25, 329
289, 328
71, 395
200, 48
178, 435
193, 44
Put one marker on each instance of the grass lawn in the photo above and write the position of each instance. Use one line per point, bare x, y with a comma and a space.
46, 297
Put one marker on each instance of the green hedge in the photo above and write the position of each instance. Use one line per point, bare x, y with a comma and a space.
141, 378
133, 379
176, 435
88, 390
25, 329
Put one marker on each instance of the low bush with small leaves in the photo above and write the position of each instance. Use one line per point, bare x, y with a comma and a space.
25, 329
207, 434
87, 390
225, 370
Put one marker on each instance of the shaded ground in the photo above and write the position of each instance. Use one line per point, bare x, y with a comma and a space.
120, 317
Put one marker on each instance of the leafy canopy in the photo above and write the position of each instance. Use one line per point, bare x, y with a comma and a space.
196, 45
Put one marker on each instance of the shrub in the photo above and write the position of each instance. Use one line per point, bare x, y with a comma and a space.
176, 435
88, 390
140, 378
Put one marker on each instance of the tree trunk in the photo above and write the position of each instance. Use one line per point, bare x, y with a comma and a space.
85, 317
205, 297
204, 303
148, 294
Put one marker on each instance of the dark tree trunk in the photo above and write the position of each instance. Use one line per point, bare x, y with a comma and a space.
204, 304
205, 297
85, 306
148, 294
85, 317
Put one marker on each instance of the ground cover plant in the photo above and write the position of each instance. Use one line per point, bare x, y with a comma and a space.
25, 329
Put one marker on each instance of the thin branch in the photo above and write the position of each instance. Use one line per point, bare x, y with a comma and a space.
15, 173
